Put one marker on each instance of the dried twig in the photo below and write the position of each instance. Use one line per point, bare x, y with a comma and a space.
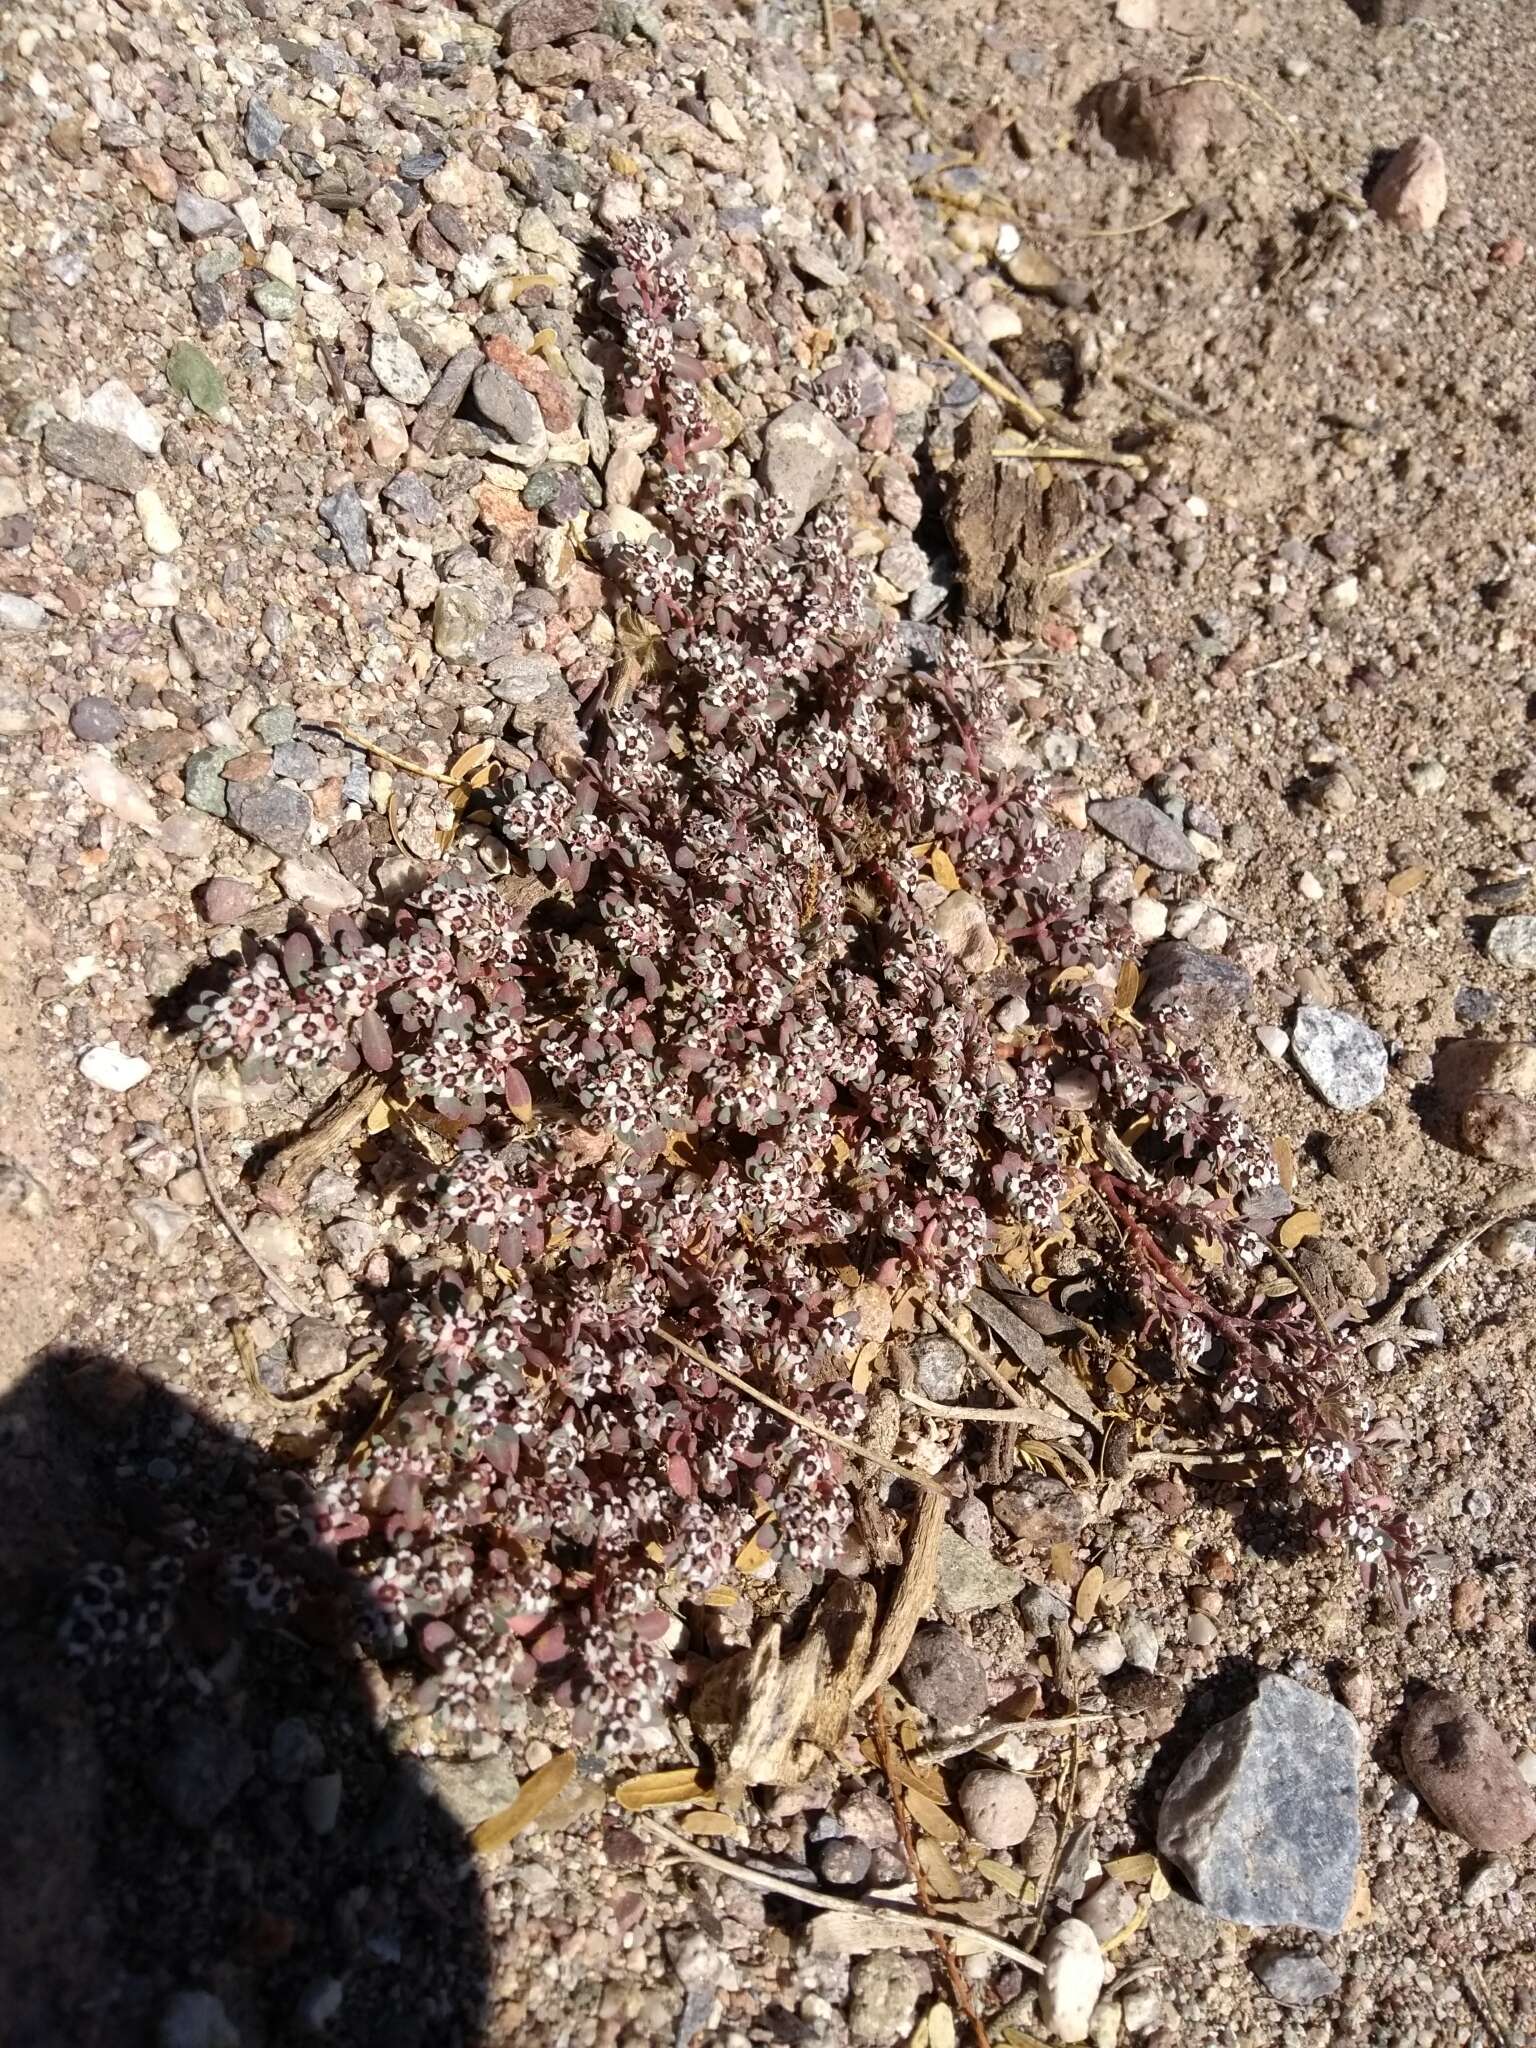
1521, 1195
366, 746
314, 1397
805, 1422
957, 1983
889, 52
986, 1731
1044, 1422
1159, 394
280, 1293
829, 27
1031, 415
1135, 227
1065, 451
808, 1895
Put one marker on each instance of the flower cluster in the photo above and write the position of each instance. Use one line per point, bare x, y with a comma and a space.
736, 1059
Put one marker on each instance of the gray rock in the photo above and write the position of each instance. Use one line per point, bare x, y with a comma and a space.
998, 1807
804, 454
342, 512
445, 398
1489, 1879
163, 1223
316, 1349
507, 405
295, 1751
96, 456
277, 724
1512, 943
1208, 985
274, 299
322, 1802
264, 132
524, 678
203, 780
95, 718
1293, 1979
399, 369
196, 2019
884, 1990
943, 1677
972, 1582
408, 495
201, 1771
1342, 1057
843, 1860
1040, 1511
1040, 1610
198, 217
941, 1368
20, 614
274, 814
1183, 1930
201, 641
1148, 832
117, 407
458, 622
1263, 1816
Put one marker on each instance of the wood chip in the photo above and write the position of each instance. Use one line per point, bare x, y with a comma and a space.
911, 1601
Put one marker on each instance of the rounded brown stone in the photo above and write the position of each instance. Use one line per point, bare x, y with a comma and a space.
1460, 1768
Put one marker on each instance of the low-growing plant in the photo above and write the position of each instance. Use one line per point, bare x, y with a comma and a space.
808, 1000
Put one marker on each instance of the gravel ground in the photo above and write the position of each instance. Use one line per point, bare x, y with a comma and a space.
258, 485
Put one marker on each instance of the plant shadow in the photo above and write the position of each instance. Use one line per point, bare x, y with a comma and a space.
210, 1838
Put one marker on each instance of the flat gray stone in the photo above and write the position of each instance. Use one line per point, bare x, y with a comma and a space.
399, 369
1343, 1058
198, 217
507, 405
96, 456
1263, 1818
970, 1580
264, 132
1147, 831
804, 454
203, 780
1292, 1979
1512, 943
274, 814
1208, 985
342, 512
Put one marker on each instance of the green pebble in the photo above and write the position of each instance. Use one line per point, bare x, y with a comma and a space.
275, 300
191, 373
203, 779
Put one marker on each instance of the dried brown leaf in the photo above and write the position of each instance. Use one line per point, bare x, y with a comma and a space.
661, 1788
1298, 1227
931, 1817
1090, 1586
534, 1796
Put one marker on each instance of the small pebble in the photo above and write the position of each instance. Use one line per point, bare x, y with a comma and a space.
96, 719
108, 1066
